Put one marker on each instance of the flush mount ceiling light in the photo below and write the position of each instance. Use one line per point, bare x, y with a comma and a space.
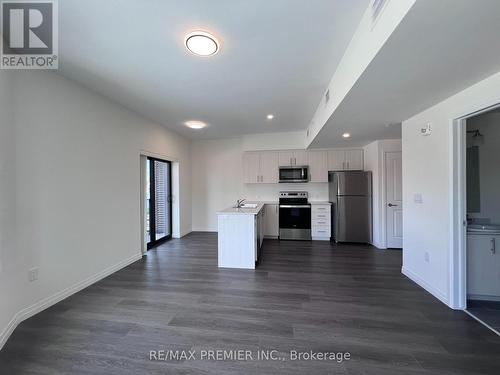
195, 124
201, 43
346, 135
270, 117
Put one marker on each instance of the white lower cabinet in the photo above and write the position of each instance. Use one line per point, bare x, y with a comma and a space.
483, 266
259, 224
271, 220
321, 221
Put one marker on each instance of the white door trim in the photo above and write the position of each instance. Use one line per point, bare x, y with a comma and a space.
458, 207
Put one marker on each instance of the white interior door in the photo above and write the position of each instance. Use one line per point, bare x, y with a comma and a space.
394, 199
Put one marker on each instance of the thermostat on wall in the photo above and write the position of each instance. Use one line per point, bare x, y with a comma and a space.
427, 130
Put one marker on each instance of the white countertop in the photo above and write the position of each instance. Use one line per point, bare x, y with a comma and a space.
255, 211
242, 211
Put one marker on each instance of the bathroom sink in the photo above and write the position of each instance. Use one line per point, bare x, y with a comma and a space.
483, 228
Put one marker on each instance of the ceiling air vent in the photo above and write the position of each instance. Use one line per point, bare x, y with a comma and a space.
377, 7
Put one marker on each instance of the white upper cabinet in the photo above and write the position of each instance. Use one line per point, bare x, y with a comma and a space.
300, 157
269, 167
260, 167
354, 160
345, 160
285, 158
251, 167
336, 160
318, 166
292, 158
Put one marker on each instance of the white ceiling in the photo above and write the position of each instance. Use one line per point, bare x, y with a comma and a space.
439, 49
277, 57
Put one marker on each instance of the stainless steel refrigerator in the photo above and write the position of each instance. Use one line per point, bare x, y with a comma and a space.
350, 193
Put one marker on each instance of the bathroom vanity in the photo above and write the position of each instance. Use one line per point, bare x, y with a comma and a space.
483, 263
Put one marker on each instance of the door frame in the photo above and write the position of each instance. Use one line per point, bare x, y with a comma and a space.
153, 243
458, 206
384, 195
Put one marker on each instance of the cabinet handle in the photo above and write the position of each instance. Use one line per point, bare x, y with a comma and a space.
493, 246
347, 165
343, 165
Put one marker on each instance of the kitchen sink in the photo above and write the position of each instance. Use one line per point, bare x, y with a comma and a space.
249, 205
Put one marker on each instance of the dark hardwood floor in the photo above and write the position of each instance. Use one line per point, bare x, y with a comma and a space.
487, 311
304, 296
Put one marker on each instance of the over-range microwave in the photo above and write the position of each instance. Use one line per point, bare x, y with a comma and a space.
294, 174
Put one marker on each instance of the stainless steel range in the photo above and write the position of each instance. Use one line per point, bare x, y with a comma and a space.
295, 215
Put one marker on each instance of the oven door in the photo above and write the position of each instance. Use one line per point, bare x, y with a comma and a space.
295, 222
295, 216
293, 174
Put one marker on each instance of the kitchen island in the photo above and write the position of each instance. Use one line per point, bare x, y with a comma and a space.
240, 235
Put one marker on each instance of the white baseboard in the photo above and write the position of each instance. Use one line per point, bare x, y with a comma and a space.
45, 303
424, 284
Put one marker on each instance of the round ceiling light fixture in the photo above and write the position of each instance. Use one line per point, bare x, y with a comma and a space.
195, 124
201, 43
346, 135
270, 117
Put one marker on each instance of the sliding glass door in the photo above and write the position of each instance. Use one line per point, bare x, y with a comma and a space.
159, 202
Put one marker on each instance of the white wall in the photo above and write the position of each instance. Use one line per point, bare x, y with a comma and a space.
274, 141
218, 178
428, 170
77, 176
10, 258
375, 162
489, 175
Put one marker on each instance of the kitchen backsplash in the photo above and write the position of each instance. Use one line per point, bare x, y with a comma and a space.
269, 192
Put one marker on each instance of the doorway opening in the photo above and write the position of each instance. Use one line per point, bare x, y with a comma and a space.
158, 203
476, 236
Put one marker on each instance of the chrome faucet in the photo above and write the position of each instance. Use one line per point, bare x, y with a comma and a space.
240, 202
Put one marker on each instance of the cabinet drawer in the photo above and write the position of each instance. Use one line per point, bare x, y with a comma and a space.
321, 231
320, 208
320, 216
320, 222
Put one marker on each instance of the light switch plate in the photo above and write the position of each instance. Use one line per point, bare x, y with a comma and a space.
417, 198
